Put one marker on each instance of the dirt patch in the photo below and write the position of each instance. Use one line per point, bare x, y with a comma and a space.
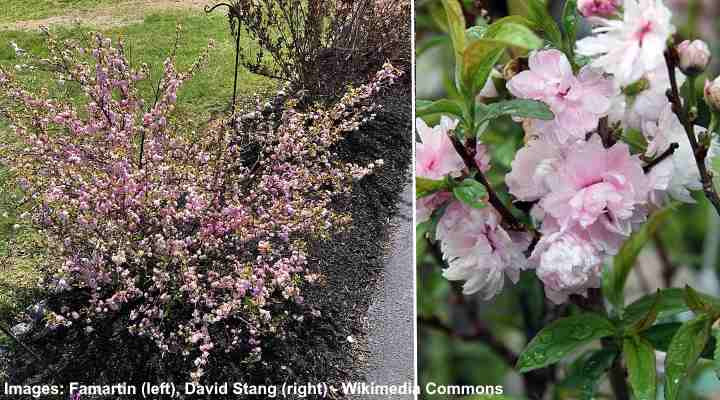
123, 13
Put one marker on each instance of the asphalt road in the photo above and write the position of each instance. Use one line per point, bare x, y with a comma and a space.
390, 338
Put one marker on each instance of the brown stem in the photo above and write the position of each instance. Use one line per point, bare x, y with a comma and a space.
508, 218
617, 375
668, 269
700, 152
605, 134
657, 160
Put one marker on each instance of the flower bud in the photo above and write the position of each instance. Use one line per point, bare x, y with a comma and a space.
598, 8
694, 56
712, 94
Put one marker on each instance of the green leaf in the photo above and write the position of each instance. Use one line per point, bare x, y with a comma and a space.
684, 351
671, 302
481, 55
515, 35
456, 29
695, 302
478, 60
472, 193
569, 22
522, 108
539, 15
624, 261
438, 15
475, 33
562, 337
649, 319
640, 360
442, 106
429, 43
425, 187
585, 375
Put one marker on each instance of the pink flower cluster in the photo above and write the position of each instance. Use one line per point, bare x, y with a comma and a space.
586, 191
196, 242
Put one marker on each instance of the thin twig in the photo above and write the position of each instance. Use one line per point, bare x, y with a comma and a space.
657, 160
700, 152
507, 216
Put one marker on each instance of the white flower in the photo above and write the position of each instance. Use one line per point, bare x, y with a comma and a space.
636, 110
119, 258
678, 174
633, 46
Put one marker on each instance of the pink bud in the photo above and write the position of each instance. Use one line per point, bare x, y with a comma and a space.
712, 94
694, 56
598, 8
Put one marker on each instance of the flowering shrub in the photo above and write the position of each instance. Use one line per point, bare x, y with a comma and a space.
615, 136
193, 235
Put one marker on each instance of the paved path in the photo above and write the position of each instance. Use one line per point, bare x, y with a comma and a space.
390, 338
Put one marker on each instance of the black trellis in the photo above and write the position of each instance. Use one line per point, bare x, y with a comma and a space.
233, 14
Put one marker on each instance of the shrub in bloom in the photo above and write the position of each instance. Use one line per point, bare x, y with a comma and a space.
195, 236
578, 102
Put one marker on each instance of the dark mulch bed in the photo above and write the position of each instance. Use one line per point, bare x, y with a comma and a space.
316, 349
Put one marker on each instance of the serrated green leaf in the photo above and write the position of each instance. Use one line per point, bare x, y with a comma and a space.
569, 22
695, 302
425, 187
624, 261
562, 337
683, 353
442, 106
649, 319
539, 15
522, 108
672, 302
585, 374
472, 193
640, 360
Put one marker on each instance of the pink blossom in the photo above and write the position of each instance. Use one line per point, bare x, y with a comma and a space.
598, 8
633, 46
597, 185
478, 250
567, 262
533, 165
425, 206
482, 157
435, 155
578, 102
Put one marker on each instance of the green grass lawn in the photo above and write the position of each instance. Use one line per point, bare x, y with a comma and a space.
151, 42
15, 10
